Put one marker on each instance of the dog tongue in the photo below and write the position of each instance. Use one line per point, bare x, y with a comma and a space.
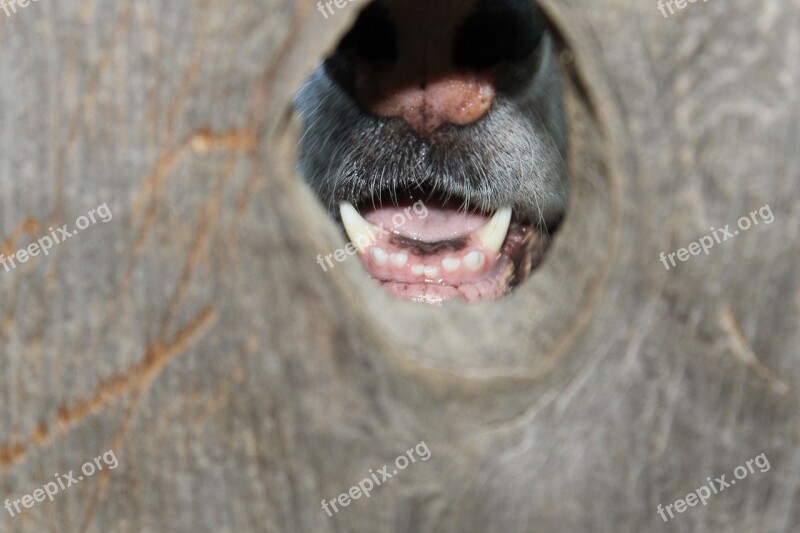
428, 223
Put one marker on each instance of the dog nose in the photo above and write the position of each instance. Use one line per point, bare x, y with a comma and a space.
407, 64
428, 102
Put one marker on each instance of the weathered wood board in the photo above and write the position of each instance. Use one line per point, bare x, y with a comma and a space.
239, 385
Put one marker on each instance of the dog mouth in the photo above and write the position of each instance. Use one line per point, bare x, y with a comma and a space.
432, 249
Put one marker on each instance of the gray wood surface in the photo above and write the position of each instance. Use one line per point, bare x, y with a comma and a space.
238, 385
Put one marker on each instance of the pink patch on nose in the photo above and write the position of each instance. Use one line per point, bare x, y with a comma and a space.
458, 99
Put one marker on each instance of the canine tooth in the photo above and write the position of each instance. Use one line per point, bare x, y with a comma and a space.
417, 270
451, 264
360, 232
431, 271
379, 256
493, 234
399, 259
474, 260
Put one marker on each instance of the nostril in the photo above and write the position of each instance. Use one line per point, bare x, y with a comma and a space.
495, 34
374, 36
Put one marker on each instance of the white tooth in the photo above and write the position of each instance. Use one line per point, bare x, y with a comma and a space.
399, 260
474, 260
379, 256
417, 270
360, 232
451, 264
493, 234
431, 272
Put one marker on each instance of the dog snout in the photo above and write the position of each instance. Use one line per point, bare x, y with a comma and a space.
474, 95
437, 63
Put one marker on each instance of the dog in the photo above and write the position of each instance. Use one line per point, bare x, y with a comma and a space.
455, 103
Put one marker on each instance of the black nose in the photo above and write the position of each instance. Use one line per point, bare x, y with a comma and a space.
498, 31
399, 54
374, 35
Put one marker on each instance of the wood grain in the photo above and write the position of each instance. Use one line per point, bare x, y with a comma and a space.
240, 385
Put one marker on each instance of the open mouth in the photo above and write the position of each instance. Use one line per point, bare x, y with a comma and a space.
430, 249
